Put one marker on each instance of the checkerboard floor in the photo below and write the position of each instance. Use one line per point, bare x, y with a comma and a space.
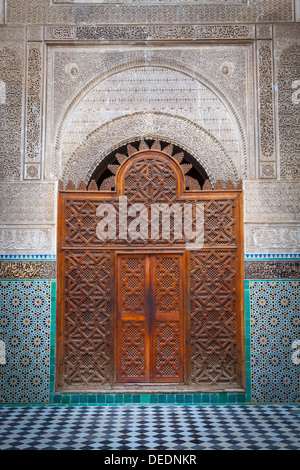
213, 427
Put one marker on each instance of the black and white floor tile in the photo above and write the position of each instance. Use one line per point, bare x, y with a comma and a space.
211, 427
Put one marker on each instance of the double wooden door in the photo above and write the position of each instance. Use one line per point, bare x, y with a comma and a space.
150, 318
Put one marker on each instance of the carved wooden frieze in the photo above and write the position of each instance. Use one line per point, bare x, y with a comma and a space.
28, 269
272, 269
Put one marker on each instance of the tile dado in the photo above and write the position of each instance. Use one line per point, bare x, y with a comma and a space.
274, 309
27, 327
25, 308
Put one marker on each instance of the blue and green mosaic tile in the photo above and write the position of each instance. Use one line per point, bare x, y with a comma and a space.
275, 326
25, 330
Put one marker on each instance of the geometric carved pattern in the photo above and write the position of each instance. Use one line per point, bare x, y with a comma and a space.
132, 349
149, 180
133, 285
87, 319
167, 349
150, 318
213, 318
167, 285
132, 318
168, 301
219, 222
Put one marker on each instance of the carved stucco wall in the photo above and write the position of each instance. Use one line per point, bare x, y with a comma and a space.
100, 87
196, 103
12, 57
143, 12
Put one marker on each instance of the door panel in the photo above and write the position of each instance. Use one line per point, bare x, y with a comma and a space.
167, 336
133, 346
150, 318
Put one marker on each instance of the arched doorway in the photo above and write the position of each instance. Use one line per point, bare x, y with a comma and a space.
140, 302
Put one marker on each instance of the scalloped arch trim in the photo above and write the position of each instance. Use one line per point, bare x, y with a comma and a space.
204, 147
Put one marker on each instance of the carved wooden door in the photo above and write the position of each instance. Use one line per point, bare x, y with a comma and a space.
149, 309
150, 318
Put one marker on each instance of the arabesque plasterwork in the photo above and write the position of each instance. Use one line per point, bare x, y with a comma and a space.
75, 85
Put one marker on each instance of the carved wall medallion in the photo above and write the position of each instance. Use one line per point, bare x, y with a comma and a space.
267, 170
32, 172
264, 31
